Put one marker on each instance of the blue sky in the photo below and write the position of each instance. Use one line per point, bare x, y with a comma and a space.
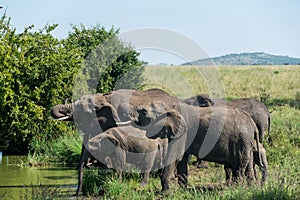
219, 27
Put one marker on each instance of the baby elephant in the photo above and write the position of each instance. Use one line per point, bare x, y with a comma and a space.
128, 145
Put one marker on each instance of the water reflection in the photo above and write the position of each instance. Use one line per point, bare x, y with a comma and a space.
15, 180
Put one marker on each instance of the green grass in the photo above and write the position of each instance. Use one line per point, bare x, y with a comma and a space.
64, 151
280, 185
280, 82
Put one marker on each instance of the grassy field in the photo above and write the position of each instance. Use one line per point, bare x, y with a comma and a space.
276, 82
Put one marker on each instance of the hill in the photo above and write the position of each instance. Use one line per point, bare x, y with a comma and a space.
257, 58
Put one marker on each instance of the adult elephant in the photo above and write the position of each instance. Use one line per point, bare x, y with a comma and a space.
96, 113
218, 134
256, 109
93, 115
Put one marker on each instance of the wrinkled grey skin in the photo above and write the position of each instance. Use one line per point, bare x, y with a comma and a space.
124, 100
256, 109
256, 161
234, 143
103, 109
92, 114
127, 144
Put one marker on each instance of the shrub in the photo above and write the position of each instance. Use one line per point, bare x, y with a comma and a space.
38, 71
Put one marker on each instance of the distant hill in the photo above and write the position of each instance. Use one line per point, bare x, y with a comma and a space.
258, 58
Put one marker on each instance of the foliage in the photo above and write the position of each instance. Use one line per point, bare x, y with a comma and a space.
65, 150
96, 181
34, 68
38, 71
108, 64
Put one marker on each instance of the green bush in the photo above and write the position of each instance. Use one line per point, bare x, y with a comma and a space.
38, 71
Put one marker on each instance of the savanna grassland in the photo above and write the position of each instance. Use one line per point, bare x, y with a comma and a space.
277, 86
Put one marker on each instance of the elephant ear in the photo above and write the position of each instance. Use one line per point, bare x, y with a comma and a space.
175, 124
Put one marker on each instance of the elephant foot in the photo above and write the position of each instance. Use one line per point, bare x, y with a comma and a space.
182, 180
228, 182
143, 183
165, 192
202, 164
76, 194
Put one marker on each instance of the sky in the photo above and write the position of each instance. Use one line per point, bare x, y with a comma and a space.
218, 27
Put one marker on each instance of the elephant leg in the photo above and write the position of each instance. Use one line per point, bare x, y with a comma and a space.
182, 171
80, 175
167, 173
250, 175
145, 178
236, 176
248, 167
227, 169
147, 166
255, 173
84, 156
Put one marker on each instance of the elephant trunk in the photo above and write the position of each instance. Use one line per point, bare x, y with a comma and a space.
62, 112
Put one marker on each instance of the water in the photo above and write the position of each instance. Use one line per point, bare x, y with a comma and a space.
24, 182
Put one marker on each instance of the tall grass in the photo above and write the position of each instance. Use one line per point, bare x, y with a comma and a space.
280, 82
64, 150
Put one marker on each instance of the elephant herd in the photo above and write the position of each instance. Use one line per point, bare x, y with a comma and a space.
152, 130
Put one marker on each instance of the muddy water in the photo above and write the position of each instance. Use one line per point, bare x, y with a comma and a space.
18, 182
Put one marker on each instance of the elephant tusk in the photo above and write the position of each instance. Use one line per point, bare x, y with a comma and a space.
123, 123
62, 118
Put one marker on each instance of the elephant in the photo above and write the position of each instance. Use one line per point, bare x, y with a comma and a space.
127, 144
96, 113
220, 134
92, 114
256, 160
257, 110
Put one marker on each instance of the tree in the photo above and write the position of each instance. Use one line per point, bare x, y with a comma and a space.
38, 71
108, 62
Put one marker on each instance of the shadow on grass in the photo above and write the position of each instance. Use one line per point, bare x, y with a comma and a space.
284, 102
58, 177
